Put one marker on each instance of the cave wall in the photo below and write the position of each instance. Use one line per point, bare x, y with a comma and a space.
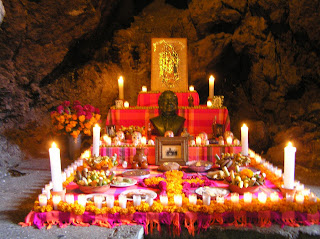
264, 55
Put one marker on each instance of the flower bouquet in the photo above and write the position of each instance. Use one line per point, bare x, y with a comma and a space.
75, 119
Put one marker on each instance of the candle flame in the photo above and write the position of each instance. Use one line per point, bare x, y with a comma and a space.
86, 154
245, 126
289, 144
211, 78
54, 145
120, 80
96, 126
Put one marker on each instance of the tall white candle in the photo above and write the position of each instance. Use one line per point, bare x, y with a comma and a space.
211, 87
193, 199
55, 165
42, 200
122, 201
110, 200
55, 200
244, 139
98, 201
82, 200
177, 200
96, 140
164, 200
120, 84
289, 165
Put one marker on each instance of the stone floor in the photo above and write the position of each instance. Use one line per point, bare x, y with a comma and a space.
17, 195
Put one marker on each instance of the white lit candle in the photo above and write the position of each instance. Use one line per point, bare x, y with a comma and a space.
220, 199
164, 200
82, 200
211, 87
278, 173
110, 200
96, 140
229, 140
289, 197
247, 197
274, 197
144, 89
122, 201
289, 164
258, 159
206, 198
120, 84
64, 176
126, 104
209, 103
193, 199
55, 165
299, 198
46, 192
144, 140
244, 139
42, 200
306, 191
149, 200
191, 88
313, 197
55, 200
235, 197
98, 201
69, 198
262, 197
136, 200
198, 140
177, 200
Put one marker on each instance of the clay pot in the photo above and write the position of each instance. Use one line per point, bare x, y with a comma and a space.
140, 156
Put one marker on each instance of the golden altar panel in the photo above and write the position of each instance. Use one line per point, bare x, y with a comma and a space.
169, 64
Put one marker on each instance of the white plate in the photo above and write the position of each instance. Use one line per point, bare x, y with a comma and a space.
213, 192
141, 173
143, 192
124, 184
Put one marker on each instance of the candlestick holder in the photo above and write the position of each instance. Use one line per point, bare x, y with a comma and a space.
62, 193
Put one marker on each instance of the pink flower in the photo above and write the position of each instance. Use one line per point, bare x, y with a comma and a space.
78, 108
67, 110
97, 111
88, 115
76, 102
60, 109
81, 112
66, 103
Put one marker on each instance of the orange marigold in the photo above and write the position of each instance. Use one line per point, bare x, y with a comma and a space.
246, 172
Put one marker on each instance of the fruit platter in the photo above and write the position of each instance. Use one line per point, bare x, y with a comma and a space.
93, 181
101, 162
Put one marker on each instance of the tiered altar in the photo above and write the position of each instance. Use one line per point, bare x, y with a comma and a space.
233, 189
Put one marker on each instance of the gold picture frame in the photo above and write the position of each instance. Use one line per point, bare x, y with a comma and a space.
171, 149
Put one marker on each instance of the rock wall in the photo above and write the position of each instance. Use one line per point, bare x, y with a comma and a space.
264, 55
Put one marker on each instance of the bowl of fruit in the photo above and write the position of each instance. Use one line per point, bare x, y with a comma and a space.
93, 181
245, 181
102, 162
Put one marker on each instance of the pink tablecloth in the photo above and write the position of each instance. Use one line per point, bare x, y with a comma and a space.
198, 119
151, 99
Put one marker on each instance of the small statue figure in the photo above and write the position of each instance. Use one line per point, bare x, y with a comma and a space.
168, 120
190, 101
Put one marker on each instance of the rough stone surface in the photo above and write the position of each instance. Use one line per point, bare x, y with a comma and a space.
264, 55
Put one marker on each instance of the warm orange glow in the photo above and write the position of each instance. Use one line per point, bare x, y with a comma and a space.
54, 145
289, 144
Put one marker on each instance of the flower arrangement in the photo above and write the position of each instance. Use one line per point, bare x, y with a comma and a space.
74, 119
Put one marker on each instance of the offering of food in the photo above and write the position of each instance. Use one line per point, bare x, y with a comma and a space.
136, 173
245, 180
199, 166
101, 162
123, 182
93, 178
212, 191
229, 160
168, 166
216, 175
142, 192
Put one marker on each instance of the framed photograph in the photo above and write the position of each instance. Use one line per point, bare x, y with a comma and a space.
171, 149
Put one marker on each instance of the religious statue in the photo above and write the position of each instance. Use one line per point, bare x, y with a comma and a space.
168, 118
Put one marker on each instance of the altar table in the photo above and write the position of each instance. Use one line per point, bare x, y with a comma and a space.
198, 119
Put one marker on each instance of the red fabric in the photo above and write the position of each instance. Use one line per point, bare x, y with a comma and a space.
197, 119
151, 99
